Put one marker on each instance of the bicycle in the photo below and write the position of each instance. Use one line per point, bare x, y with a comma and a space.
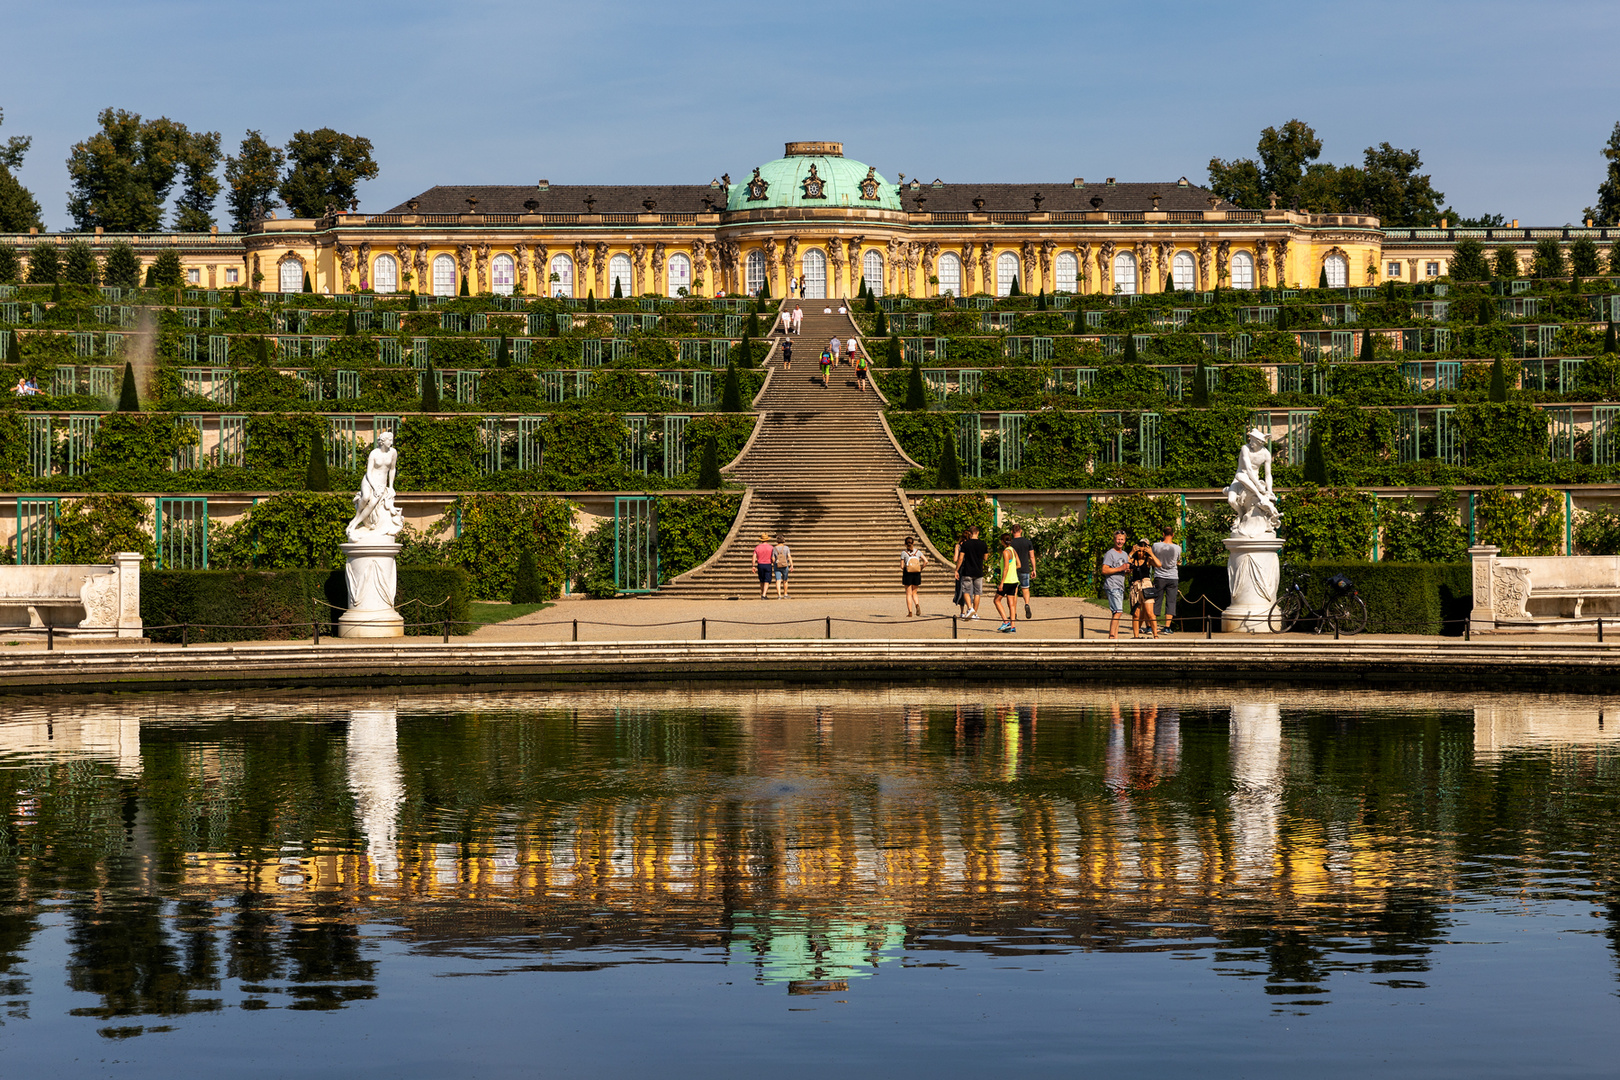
1345, 612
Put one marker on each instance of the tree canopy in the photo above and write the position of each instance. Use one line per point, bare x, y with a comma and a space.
325, 167
1387, 183
121, 176
19, 210
194, 209
1607, 210
253, 175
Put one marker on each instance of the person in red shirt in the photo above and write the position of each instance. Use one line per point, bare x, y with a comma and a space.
764, 562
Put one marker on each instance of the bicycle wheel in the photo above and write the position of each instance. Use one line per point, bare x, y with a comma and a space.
1348, 613
1285, 613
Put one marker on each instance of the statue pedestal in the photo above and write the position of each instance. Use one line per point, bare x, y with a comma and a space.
372, 575
1252, 571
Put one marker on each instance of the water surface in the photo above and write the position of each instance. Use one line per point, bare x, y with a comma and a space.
1159, 882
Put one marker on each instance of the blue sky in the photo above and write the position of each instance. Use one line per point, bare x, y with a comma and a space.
1509, 103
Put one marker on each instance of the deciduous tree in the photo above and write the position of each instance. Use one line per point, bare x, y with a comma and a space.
121, 176
194, 209
253, 175
122, 268
19, 210
324, 167
1607, 210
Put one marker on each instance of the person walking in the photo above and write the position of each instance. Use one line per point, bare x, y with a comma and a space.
1143, 563
826, 369
860, 371
970, 556
787, 354
798, 319
787, 322
851, 345
1007, 590
956, 560
834, 346
1026, 565
764, 552
1116, 563
1167, 576
912, 561
782, 560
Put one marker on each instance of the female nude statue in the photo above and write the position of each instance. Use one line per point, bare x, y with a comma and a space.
375, 516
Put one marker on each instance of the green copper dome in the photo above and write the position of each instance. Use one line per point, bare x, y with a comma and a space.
809, 169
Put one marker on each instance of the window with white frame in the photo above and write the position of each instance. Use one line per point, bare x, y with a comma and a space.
619, 282
562, 275
1431, 269
1006, 273
950, 274
754, 272
502, 273
194, 276
1242, 270
444, 275
1067, 272
1125, 272
815, 274
679, 273
1183, 271
385, 274
872, 269
1338, 271
1392, 269
292, 275
233, 276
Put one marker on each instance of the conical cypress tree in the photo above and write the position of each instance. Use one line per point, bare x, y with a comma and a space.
430, 390
1321, 281
618, 289
765, 290
1609, 344
129, 400
503, 355
745, 351
753, 323
349, 327
893, 354
1015, 290
56, 292
709, 470
861, 293
590, 301
871, 301
950, 473
261, 353
1079, 318
1200, 386
150, 280
307, 286
1130, 349
1040, 300
1486, 312
916, 396
316, 478
1498, 381
1367, 346
526, 583
1389, 290
412, 306
731, 392
554, 327
464, 290
882, 323
1575, 282
13, 350
1315, 460
236, 297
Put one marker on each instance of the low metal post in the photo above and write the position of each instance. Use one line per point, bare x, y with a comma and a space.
829, 628
315, 630
1600, 629
705, 629
446, 629
1468, 629
1082, 628
953, 628
1209, 627
50, 637
185, 635
576, 629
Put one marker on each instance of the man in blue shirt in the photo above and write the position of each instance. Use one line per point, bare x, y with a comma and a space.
1116, 563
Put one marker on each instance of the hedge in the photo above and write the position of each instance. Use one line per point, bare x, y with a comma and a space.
1402, 598
280, 605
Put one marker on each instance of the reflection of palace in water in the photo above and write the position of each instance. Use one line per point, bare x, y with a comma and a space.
811, 844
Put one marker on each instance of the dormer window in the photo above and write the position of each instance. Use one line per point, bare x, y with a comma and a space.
814, 186
757, 187
869, 186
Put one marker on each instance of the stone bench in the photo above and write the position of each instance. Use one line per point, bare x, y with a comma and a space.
1542, 592
90, 600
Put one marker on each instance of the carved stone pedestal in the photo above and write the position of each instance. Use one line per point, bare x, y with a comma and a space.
1252, 571
372, 574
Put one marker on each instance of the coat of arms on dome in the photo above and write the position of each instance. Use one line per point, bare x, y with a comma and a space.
757, 187
814, 186
869, 186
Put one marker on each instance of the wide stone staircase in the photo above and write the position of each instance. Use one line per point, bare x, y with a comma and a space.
822, 472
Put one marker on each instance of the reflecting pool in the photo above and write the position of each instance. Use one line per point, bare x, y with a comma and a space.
1154, 882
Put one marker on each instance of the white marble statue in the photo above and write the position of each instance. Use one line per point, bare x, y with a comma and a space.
376, 519
1253, 501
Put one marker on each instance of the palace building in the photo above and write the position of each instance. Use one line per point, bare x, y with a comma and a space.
827, 221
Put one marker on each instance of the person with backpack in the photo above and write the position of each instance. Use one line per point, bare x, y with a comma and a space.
826, 369
782, 556
912, 561
860, 371
787, 354
1008, 590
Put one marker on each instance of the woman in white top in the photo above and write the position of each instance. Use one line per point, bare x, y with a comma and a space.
798, 317
787, 321
912, 561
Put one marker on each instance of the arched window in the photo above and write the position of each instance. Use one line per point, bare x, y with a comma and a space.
1068, 273
679, 274
872, 269
815, 274
385, 274
1242, 270
1125, 272
1338, 271
619, 282
562, 275
292, 275
1006, 273
1183, 271
754, 272
950, 274
444, 275
502, 270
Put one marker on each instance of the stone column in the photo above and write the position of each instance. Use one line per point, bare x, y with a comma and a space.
1252, 572
1482, 620
129, 594
372, 575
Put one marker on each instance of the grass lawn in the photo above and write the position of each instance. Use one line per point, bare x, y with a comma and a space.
484, 611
